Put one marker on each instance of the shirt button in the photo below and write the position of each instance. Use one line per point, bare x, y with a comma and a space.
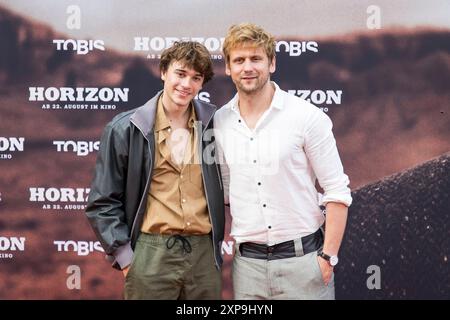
181, 176
188, 223
259, 183
270, 227
169, 129
251, 139
239, 120
254, 161
183, 200
264, 205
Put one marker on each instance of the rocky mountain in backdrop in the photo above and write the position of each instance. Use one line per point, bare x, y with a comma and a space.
393, 115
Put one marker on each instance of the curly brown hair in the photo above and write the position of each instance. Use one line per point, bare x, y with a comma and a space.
192, 54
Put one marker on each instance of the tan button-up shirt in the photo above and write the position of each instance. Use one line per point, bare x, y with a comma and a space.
176, 201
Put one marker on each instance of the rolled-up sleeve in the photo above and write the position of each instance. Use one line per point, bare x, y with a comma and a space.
321, 150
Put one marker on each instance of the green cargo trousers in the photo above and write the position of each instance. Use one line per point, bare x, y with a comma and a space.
173, 267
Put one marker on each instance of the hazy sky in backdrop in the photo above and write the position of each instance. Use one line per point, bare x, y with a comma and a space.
118, 21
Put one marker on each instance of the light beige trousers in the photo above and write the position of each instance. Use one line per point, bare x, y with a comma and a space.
298, 277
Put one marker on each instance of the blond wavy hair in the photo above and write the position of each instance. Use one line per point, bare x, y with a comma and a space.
248, 35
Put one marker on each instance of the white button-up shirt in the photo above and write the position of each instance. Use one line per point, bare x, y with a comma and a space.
269, 173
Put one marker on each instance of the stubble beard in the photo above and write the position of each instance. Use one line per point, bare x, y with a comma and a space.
254, 88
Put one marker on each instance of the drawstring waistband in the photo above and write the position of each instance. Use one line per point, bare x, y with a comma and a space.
173, 239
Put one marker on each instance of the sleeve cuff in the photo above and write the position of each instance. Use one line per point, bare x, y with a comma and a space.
344, 199
124, 255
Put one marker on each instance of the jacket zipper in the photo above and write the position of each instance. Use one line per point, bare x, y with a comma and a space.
210, 217
219, 176
148, 179
206, 194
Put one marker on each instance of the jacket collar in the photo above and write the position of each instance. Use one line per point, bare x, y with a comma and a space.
204, 112
144, 116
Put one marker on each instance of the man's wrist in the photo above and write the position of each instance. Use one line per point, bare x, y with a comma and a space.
332, 260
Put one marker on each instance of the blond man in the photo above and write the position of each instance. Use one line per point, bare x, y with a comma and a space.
273, 147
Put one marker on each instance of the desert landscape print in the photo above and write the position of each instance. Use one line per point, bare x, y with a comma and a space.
392, 126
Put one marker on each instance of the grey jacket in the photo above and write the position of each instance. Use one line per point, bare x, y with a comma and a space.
118, 197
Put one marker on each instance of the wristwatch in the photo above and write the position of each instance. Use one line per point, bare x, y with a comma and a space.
332, 260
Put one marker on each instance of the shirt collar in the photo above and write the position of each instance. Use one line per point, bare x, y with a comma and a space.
192, 116
278, 97
277, 100
163, 123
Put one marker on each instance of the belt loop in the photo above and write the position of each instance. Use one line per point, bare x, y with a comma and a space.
298, 247
237, 251
322, 229
322, 236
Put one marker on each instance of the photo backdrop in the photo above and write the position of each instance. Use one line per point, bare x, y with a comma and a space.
380, 71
